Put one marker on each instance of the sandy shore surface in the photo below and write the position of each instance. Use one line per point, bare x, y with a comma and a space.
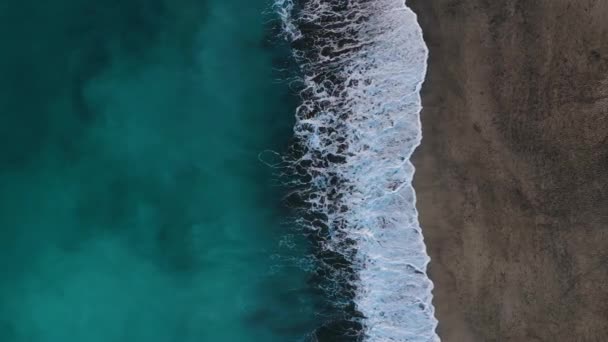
512, 172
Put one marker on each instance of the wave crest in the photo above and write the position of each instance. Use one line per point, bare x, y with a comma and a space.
363, 63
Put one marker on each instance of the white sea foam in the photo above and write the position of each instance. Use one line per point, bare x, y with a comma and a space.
363, 63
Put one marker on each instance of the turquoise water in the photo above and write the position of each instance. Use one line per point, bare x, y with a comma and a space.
133, 206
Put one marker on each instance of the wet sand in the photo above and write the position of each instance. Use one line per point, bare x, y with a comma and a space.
512, 171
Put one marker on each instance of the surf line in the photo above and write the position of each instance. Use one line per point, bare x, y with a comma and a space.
362, 64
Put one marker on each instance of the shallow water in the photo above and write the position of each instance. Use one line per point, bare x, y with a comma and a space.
363, 63
133, 206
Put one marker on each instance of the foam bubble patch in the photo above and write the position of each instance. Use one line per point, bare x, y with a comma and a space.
363, 63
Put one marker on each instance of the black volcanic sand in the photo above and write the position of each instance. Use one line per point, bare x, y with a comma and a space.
511, 173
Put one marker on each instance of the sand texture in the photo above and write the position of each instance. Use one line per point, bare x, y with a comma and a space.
511, 173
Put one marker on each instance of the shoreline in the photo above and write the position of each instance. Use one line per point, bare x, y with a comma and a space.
510, 175
356, 128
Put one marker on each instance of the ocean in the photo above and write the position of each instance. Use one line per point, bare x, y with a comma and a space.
363, 63
210, 170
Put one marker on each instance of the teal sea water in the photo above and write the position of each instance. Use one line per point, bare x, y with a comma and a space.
133, 206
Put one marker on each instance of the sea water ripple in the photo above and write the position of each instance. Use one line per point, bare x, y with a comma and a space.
363, 63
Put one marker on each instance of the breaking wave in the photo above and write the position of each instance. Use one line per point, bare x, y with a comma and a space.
362, 64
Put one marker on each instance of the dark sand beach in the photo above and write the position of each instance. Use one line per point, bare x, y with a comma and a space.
511, 173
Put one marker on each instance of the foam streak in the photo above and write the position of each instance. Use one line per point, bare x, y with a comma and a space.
363, 63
